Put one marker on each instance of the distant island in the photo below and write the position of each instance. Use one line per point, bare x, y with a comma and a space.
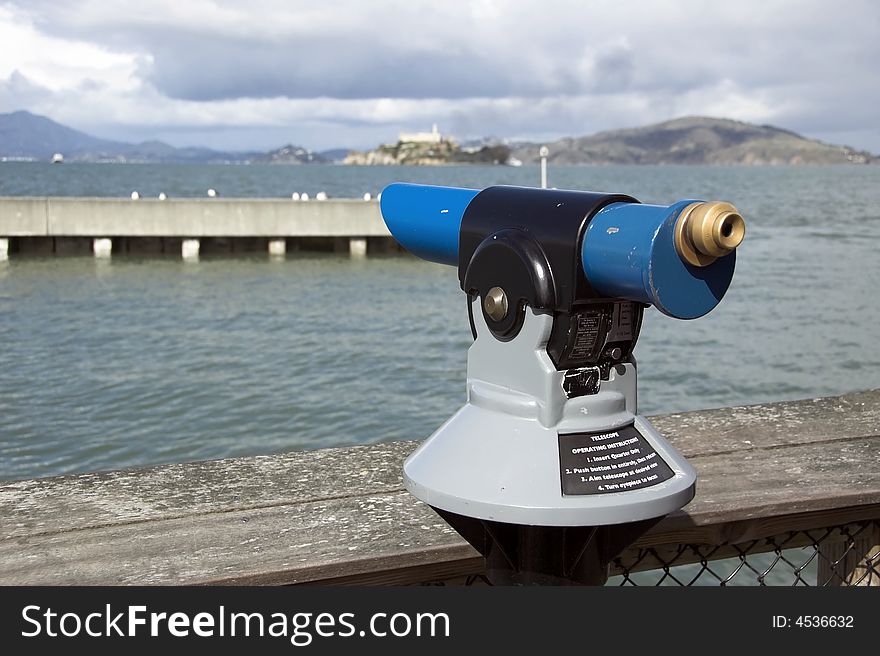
430, 149
689, 140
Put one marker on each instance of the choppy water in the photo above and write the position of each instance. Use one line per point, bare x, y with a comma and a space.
142, 361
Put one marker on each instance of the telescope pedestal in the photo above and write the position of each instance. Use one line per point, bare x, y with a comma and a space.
548, 488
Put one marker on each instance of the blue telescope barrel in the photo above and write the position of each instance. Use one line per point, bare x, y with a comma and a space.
425, 219
632, 251
629, 251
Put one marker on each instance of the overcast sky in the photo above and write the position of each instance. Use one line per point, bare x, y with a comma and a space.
257, 74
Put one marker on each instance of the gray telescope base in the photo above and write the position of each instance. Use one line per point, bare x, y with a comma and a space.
497, 469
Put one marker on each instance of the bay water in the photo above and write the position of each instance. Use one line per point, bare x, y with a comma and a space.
145, 360
139, 361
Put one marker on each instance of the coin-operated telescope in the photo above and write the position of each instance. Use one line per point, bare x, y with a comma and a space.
548, 470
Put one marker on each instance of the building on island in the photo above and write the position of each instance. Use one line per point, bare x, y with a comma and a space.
432, 137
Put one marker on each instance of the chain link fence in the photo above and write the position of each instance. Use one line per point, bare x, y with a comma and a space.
833, 556
839, 555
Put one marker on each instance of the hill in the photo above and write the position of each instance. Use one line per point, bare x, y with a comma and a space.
695, 140
23, 134
26, 135
290, 154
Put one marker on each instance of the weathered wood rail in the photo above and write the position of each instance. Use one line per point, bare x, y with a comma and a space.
769, 475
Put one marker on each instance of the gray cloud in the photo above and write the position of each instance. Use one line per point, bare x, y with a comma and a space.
522, 69
212, 70
18, 91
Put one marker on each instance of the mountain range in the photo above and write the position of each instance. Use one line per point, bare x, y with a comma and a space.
689, 140
24, 135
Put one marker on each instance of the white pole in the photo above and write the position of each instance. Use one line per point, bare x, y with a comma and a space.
544, 152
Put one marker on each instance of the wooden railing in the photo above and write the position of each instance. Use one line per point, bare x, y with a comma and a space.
782, 478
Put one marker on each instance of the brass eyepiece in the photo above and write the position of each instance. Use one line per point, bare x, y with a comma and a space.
708, 230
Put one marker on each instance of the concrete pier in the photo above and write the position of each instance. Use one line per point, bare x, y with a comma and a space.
215, 217
70, 225
102, 247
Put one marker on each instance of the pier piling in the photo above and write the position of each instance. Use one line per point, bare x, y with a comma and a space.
357, 246
102, 247
277, 247
189, 249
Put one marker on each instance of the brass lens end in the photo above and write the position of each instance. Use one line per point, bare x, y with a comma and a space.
706, 231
